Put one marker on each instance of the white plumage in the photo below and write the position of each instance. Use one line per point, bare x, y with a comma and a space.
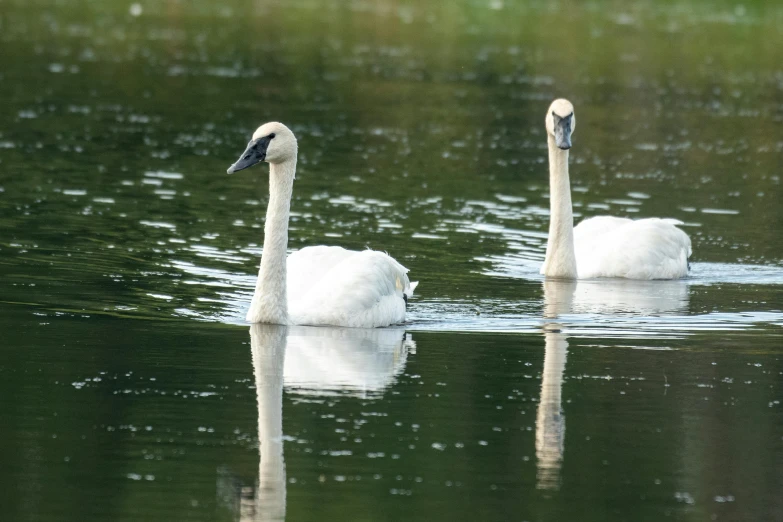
603, 246
634, 249
320, 285
329, 285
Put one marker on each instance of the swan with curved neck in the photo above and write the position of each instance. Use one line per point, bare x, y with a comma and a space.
602, 246
321, 285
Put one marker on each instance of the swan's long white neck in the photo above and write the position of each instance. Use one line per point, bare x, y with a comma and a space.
270, 301
560, 257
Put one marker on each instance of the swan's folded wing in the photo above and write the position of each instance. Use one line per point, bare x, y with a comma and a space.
309, 265
598, 226
644, 249
364, 289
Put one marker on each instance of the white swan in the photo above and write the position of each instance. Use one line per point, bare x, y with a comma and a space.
316, 285
603, 246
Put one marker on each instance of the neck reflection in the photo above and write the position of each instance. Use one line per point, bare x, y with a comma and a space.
550, 420
268, 345
587, 305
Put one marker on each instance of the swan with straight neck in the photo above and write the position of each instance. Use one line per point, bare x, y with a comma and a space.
602, 246
560, 256
319, 285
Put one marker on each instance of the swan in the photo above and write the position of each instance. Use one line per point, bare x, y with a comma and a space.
603, 246
319, 285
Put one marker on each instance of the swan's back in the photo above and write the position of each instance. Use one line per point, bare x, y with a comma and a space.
307, 266
335, 286
635, 249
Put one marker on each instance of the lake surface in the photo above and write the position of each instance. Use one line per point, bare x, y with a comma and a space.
132, 389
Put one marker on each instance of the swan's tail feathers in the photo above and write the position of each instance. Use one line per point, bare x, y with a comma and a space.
409, 291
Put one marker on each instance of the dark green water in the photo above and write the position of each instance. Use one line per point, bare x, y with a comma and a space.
130, 389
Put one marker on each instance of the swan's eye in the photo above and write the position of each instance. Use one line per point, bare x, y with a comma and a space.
271, 136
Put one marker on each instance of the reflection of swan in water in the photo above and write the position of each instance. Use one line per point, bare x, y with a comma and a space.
550, 421
359, 361
313, 361
611, 297
268, 345
614, 296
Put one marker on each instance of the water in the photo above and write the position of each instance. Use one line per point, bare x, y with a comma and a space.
132, 389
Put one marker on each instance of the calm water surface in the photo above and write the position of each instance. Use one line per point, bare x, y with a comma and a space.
131, 389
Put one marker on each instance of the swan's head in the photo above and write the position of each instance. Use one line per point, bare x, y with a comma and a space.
561, 122
272, 142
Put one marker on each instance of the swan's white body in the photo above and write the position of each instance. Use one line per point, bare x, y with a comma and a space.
317, 285
603, 246
635, 249
329, 285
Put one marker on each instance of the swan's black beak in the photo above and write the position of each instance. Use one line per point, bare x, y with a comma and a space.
254, 153
563, 130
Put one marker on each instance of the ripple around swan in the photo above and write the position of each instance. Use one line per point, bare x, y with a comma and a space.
590, 308
527, 266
